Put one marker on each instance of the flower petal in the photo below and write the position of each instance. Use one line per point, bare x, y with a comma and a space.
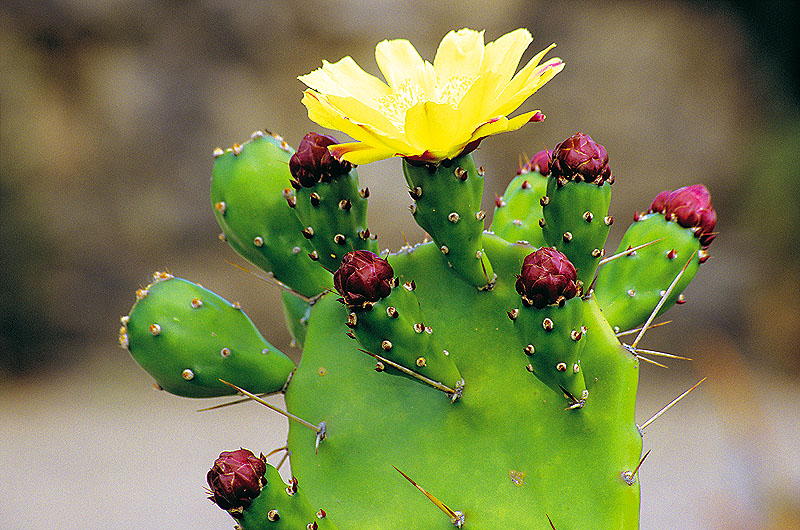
503, 124
360, 112
502, 55
460, 54
346, 78
527, 81
400, 63
435, 127
361, 153
324, 113
480, 95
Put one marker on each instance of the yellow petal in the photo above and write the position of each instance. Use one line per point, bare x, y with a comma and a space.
324, 113
460, 54
502, 124
361, 153
362, 113
435, 127
473, 106
346, 78
502, 55
399, 62
535, 83
527, 81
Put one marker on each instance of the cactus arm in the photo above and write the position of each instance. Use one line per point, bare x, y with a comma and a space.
333, 216
247, 192
188, 338
576, 222
447, 205
628, 288
518, 213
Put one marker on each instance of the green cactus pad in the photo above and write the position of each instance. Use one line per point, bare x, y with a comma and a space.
249, 194
333, 217
518, 213
554, 339
395, 329
629, 288
282, 506
447, 205
296, 312
576, 222
188, 338
507, 454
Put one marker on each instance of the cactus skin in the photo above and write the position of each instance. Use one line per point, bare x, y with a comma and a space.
575, 208
381, 309
518, 212
248, 191
447, 205
188, 338
281, 506
296, 313
506, 454
550, 323
332, 210
553, 353
628, 288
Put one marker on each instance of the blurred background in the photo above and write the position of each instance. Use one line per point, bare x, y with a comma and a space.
110, 111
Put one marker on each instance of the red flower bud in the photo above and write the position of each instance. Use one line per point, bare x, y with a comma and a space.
363, 277
236, 478
581, 158
547, 278
690, 207
540, 162
313, 162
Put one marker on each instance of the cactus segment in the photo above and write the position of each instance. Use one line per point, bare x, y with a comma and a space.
447, 205
249, 198
511, 422
518, 213
550, 323
387, 321
333, 216
395, 328
296, 312
628, 288
281, 506
553, 346
188, 338
575, 208
576, 222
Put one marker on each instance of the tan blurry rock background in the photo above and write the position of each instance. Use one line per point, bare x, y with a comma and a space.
110, 111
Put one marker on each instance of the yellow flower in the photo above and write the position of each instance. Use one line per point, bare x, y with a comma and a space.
427, 112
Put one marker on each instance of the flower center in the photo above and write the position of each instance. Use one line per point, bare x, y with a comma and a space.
395, 105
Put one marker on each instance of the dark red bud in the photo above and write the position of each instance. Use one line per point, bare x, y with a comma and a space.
363, 277
236, 478
547, 276
313, 163
690, 207
580, 158
540, 162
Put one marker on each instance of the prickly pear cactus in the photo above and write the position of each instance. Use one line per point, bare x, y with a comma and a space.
477, 379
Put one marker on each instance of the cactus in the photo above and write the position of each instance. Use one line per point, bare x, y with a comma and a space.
475, 380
